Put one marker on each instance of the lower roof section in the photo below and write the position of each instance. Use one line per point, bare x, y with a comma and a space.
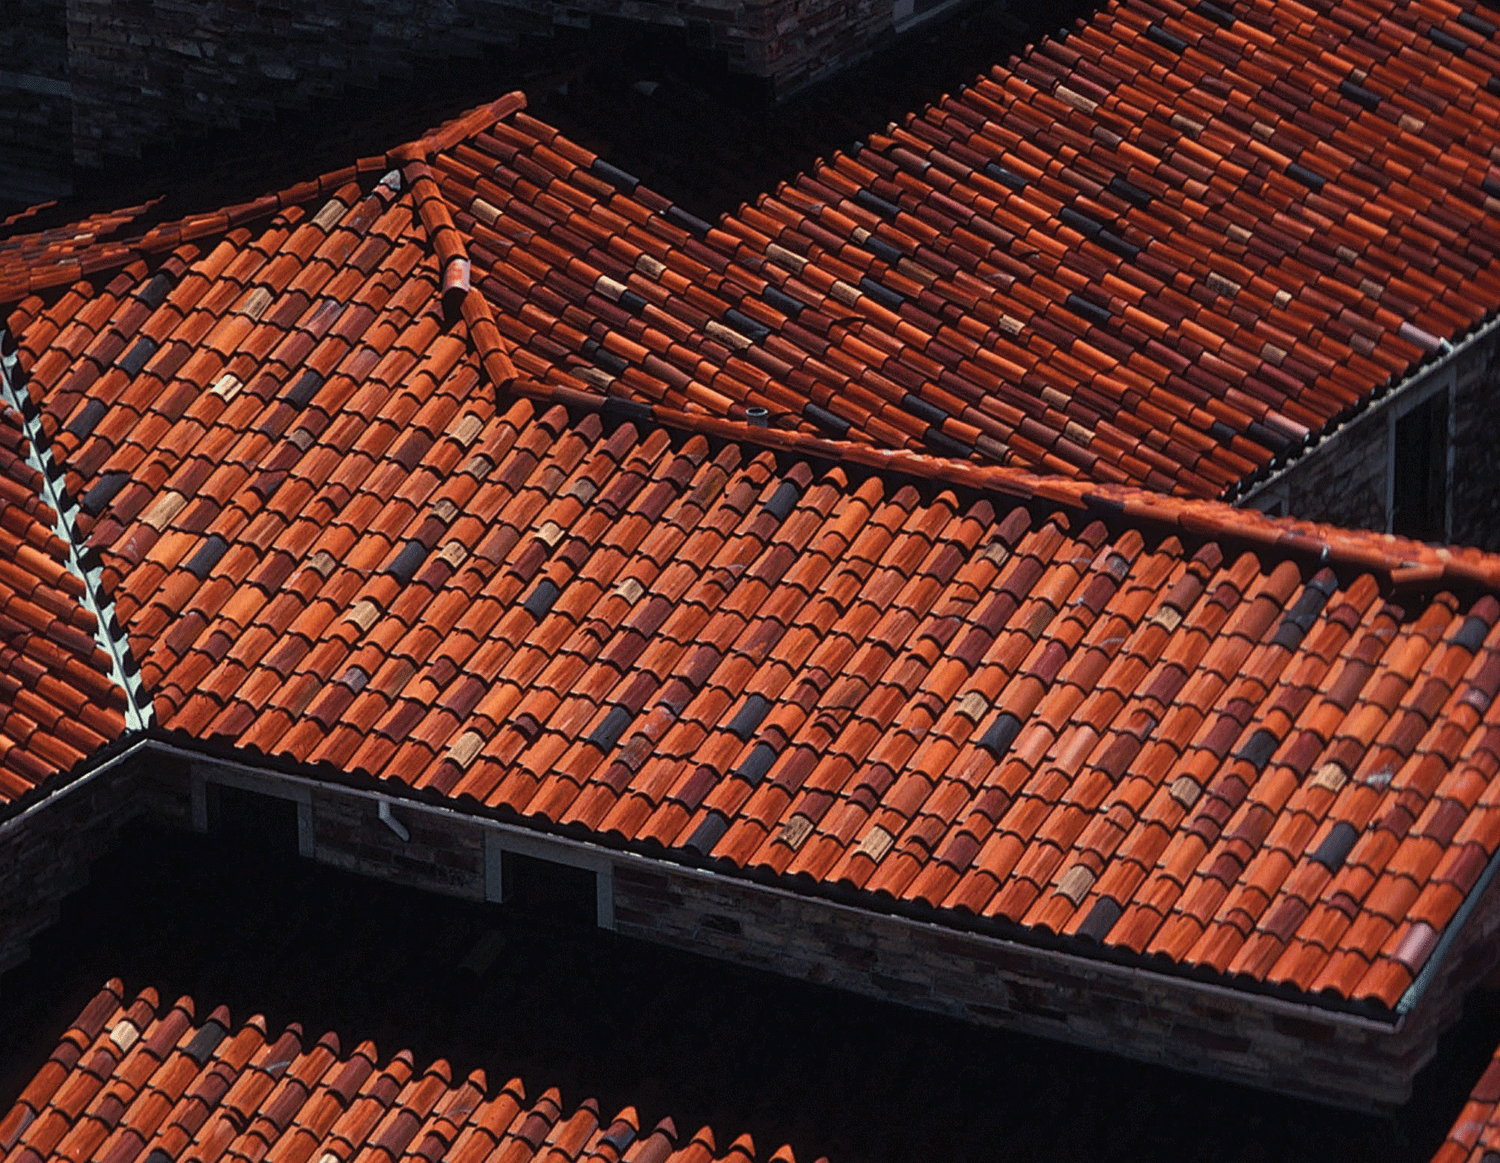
1149, 1010
998, 706
136, 1080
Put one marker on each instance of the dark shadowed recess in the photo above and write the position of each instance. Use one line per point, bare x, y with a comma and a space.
536, 992
648, 99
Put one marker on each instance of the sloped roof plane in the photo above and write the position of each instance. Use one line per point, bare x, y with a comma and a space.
58, 686
134, 1079
440, 470
1077, 709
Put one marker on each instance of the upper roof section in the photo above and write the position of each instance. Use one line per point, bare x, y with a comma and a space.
1169, 247
135, 1080
1165, 250
59, 701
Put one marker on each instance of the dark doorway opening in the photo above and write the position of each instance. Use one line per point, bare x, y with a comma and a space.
238, 817
1419, 492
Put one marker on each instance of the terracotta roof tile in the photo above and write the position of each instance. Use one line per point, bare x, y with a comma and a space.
1137, 255
1475, 1134
1141, 254
951, 685
133, 1080
59, 695
359, 503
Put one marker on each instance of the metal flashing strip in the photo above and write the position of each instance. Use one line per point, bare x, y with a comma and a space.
1418, 988
139, 713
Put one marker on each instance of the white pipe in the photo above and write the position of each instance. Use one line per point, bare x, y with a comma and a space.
389, 820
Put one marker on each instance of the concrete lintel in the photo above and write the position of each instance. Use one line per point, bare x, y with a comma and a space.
602, 864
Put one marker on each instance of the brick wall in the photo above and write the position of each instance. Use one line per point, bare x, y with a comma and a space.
86, 81
143, 73
1301, 1050
36, 107
1344, 1060
1345, 479
1475, 485
46, 854
1269, 1043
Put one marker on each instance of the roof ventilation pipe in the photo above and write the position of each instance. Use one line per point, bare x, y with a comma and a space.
759, 417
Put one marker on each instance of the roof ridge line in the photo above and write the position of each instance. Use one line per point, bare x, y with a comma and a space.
460, 296
460, 128
111, 255
1405, 563
140, 714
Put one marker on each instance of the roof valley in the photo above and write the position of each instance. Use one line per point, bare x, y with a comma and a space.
124, 670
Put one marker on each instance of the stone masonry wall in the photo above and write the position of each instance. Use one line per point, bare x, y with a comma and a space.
1475, 483
1344, 480
36, 102
1276, 1046
145, 71
46, 855
1272, 1044
1265, 1042
85, 81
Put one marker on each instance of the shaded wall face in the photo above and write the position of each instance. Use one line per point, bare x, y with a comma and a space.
1475, 483
145, 73
1425, 462
36, 109
84, 82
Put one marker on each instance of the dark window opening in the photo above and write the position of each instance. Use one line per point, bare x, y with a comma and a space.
1419, 492
552, 893
239, 817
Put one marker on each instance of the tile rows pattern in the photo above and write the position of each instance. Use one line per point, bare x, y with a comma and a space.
1167, 249
1077, 709
1475, 1136
58, 701
134, 1080
27, 246
1164, 250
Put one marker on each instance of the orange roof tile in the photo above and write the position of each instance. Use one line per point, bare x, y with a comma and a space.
1144, 253
59, 701
136, 1080
1475, 1136
360, 502
1168, 726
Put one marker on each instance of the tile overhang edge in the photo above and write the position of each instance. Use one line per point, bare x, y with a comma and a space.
112, 254
1244, 491
300, 779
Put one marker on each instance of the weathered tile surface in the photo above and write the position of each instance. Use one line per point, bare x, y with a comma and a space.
435, 470
139, 1080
